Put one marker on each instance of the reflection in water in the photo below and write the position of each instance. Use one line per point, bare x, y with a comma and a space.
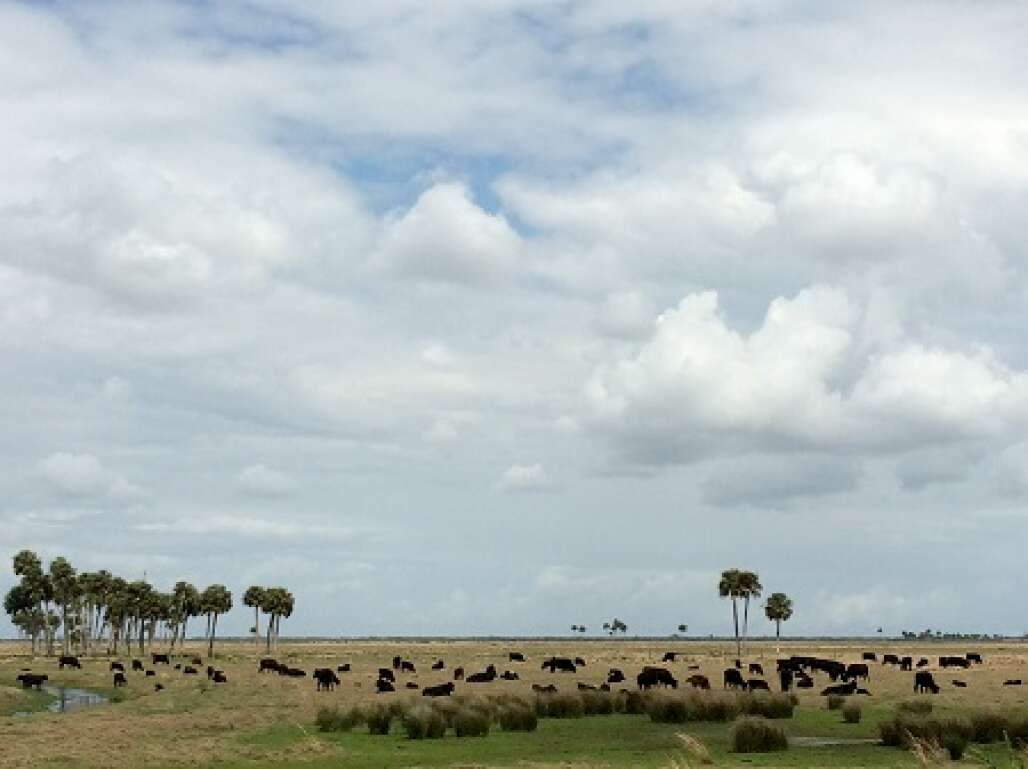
68, 699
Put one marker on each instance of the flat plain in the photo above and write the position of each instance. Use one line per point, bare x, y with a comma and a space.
266, 720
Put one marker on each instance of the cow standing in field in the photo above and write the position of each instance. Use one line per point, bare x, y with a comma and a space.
756, 669
669, 656
869, 657
344, 668
924, 682
615, 676
119, 679
382, 686
754, 684
438, 665
137, 666
440, 690
69, 661
458, 674
842, 690
560, 663
326, 679
907, 664
489, 674
858, 670
785, 679
161, 659
385, 674
268, 664
733, 679
117, 666
516, 657
974, 657
698, 682
31, 680
651, 676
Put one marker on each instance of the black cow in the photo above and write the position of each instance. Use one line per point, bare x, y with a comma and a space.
650, 677
458, 674
196, 661
189, 670
785, 679
924, 682
210, 672
698, 682
923, 662
907, 663
509, 675
1012, 682
326, 679
615, 676
440, 690
219, 677
489, 674
32, 680
694, 667
869, 657
117, 666
604, 687
560, 663
757, 683
580, 662
733, 679
891, 659
858, 670
71, 662
959, 684
269, 664
285, 670
162, 658
843, 690
583, 687
158, 687
738, 664
803, 681
397, 660
137, 665
382, 686
407, 667
438, 665
385, 674
119, 679
516, 656
344, 668
540, 689
974, 657
756, 669
150, 673
669, 656
954, 662
412, 685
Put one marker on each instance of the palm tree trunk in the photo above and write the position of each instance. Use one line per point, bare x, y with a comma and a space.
745, 617
271, 624
210, 639
735, 620
256, 625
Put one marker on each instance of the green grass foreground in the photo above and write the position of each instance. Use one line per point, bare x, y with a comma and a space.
593, 741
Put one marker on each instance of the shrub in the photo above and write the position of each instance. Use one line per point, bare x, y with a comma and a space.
955, 744
851, 713
1017, 732
904, 729
424, 722
679, 709
767, 705
631, 703
335, 719
597, 703
988, 726
471, 722
559, 706
921, 707
752, 734
518, 718
836, 701
379, 718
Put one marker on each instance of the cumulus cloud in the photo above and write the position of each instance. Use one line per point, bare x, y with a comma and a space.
83, 475
521, 478
445, 237
773, 481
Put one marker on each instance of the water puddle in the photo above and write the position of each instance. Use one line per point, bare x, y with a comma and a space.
67, 699
828, 742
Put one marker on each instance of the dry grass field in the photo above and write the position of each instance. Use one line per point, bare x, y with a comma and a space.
263, 720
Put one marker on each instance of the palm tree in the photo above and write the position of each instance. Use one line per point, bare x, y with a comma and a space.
778, 609
751, 589
66, 592
683, 628
254, 597
214, 601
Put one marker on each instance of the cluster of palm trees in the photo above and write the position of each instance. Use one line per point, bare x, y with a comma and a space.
94, 610
276, 602
738, 584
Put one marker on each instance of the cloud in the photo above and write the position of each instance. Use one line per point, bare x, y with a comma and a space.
802, 379
445, 237
262, 481
525, 478
773, 481
82, 475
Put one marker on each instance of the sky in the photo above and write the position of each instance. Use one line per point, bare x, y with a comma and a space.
497, 316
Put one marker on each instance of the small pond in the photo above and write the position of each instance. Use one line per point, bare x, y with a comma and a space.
66, 699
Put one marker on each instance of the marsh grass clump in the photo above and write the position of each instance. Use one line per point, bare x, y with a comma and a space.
471, 722
597, 703
988, 726
836, 701
336, 719
680, 709
559, 705
907, 731
694, 751
423, 722
631, 703
851, 712
766, 705
753, 734
379, 718
518, 718
919, 707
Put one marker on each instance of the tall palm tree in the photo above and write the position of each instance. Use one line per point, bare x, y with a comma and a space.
66, 592
778, 609
731, 586
751, 589
254, 597
214, 601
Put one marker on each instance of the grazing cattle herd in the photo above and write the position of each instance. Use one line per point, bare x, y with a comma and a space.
838, 677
